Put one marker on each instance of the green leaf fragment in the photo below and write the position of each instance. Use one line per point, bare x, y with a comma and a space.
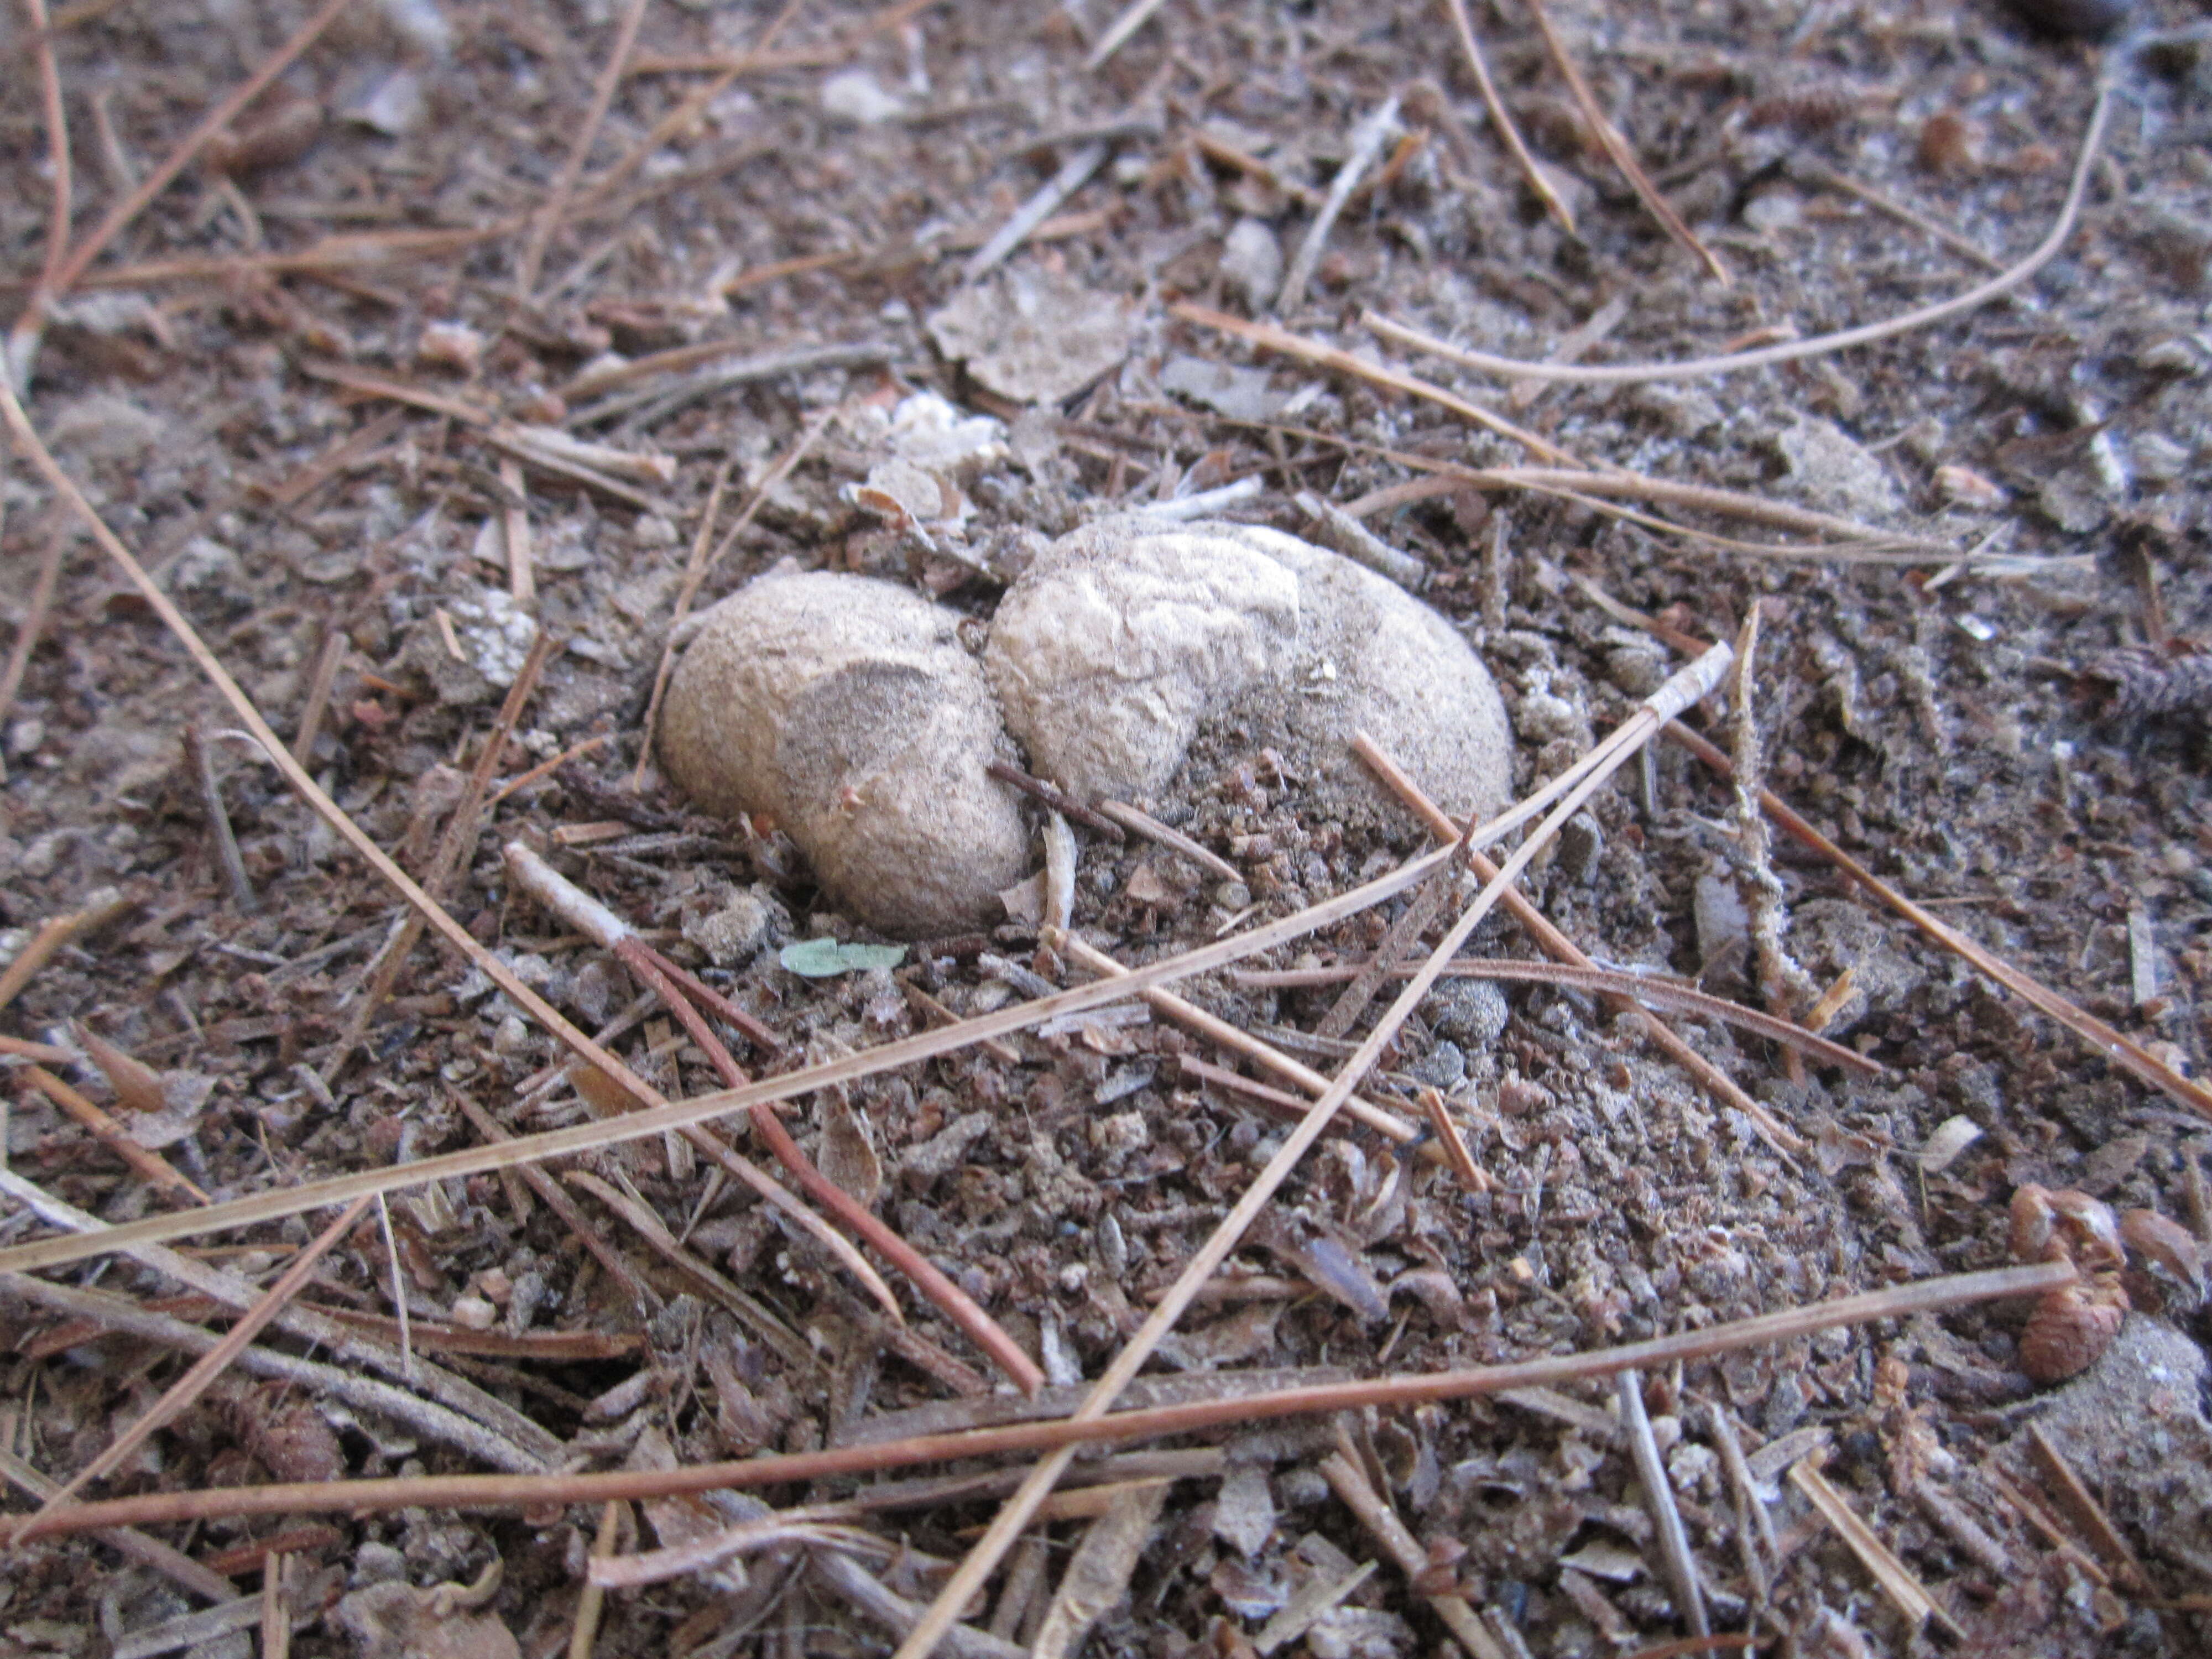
825, 958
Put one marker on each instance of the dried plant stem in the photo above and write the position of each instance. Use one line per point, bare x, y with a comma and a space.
1659, 1495
1373, 1511
1073, 174
1792, 350
228, 859
1680, 692
1144, 824
33, 625
1905, 1591
1618, 988
187, 1389
53, 933
151, 1165
1133, 18
1784, 985
1561, 949
1057, 798
551, 889
2123, 1051
549, 216
1380, 1119
1502, 119
1366, 144
21, 350
1271, 338
487, 1492
1618, 149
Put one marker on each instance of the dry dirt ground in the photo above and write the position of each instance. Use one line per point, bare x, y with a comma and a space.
816, 211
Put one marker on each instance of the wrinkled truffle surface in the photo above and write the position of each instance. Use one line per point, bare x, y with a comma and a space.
846, 709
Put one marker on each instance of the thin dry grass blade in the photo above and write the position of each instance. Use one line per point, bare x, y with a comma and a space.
1792, 350
557, 199
1502, 119
1619, 150
489, 1492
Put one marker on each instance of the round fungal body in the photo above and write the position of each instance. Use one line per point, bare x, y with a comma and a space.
846, 709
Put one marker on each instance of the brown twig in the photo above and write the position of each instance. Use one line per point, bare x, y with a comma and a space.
1373, 1511
2123, 1051
1905, 1591
1788, 351
228, 859
1365, 145
549, 216
1271, 338
149, 1165
1617, 987
1056, 798
1659, 1497
486, 1492
1472, 1176
1502, 119
328, 660
1133, 18
180, 1395
23, 343
1144, 824
53, 933
1619, 150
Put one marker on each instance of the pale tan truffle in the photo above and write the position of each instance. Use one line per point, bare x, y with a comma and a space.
1127, 640
846, 709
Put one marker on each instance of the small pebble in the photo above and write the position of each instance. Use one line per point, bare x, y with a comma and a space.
1470, 1011
1442, 1067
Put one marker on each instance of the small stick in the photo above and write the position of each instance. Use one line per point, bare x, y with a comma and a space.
1617, 147
34, 624
328, 660
1005, 1053
1659, 1495
21, 349
1502, 119
1056, 798
1788, 351
151, 1165
1282, 1102
2082, 1506
1619, 988
791, 1468
398, 1290
1144, 824
1133, 17
545, 768
1356, 541
1784, 985
1828, 179
1367, 141
1273, 337
514, 529
557, 199
1073, 174
227, 858
193, 1383
276, 1608
1905, 1591
1570, 347
1472, 1176
1373, 1511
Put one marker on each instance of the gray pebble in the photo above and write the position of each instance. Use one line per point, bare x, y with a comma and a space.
1442, 1067
1470, 1011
